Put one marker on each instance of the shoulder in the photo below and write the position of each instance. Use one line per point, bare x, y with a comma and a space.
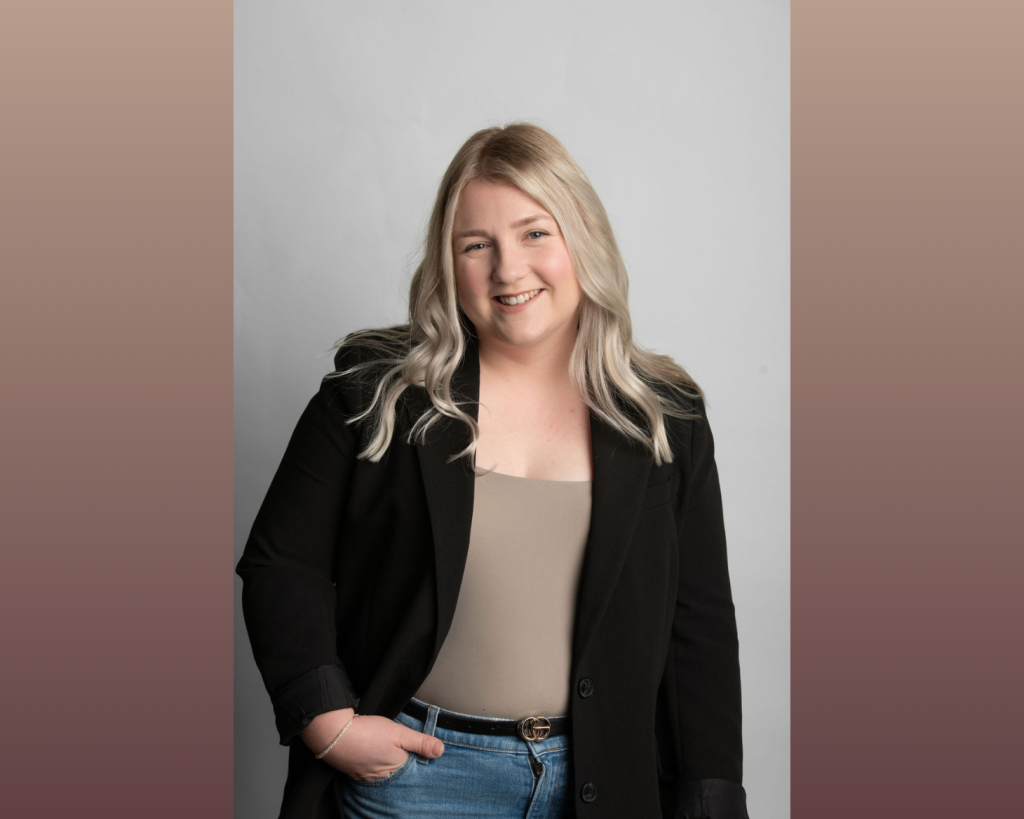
362, 361
685, 418
366, 348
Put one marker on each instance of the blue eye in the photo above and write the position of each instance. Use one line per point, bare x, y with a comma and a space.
536, 234
474, 247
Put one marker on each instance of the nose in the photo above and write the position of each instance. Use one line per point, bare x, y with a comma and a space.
509, 264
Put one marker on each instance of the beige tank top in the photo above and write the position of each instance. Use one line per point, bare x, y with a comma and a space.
508, 652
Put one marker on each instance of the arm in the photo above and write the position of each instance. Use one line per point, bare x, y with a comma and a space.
288, 597
703, 662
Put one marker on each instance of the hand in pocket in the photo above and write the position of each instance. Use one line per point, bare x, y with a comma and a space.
375, 747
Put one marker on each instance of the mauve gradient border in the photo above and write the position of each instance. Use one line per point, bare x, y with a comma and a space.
116, 594
907, 285
116, 589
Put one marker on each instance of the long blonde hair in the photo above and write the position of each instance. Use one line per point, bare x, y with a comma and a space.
630, 388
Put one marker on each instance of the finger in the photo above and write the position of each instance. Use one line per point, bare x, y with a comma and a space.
416, 743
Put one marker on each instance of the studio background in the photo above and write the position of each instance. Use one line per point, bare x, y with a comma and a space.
346, 116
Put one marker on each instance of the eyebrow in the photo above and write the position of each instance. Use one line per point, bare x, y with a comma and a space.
526, 220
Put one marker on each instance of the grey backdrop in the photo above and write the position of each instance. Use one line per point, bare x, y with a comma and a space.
346, 115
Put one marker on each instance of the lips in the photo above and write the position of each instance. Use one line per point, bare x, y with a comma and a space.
520, 298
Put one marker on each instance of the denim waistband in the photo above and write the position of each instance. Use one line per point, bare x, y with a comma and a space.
511, 744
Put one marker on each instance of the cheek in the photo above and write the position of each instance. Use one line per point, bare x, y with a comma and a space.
560, 269
469, 286
567, 282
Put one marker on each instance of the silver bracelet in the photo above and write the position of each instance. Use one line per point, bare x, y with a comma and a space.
341, 733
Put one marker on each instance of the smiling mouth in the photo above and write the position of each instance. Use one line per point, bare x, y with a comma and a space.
513, 300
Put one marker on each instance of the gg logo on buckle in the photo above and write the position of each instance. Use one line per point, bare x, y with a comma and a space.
534, 728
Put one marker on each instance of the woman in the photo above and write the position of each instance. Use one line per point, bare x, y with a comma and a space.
496, 535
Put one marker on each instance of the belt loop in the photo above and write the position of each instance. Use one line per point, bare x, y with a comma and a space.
429, 725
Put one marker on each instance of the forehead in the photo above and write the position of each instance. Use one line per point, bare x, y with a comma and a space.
494, 203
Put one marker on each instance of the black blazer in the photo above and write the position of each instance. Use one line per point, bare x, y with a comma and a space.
352, 572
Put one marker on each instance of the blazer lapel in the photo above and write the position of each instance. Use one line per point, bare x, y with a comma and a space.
621, 470
449, 490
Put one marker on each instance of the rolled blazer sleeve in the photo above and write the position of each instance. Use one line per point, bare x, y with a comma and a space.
288, 595
703, 663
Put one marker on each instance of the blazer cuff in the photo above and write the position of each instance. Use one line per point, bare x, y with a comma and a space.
710, 799
323, 689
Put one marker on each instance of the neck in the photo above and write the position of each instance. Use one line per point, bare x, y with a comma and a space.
541, 363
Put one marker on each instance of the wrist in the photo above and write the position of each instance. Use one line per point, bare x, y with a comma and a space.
324, 728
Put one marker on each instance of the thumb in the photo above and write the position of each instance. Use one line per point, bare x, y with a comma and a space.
418, 743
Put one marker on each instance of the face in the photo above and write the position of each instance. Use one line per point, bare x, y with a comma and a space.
515, 278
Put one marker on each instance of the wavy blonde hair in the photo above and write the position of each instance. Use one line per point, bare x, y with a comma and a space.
630, 388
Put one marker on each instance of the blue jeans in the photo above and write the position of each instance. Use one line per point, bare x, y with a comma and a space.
477, 776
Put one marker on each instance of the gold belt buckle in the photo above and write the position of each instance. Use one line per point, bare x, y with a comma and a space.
534, 728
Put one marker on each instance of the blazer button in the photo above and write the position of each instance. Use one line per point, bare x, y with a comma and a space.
586, 687
588, 792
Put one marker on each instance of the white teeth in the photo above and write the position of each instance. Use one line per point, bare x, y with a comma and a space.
513, 300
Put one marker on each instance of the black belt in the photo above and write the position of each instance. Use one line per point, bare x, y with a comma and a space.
528, 728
